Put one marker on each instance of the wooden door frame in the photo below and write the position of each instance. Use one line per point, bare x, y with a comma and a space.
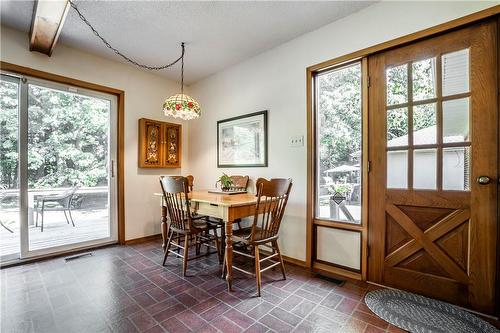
311, 126
120, 95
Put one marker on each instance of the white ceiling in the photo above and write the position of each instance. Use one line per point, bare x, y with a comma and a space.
217, 34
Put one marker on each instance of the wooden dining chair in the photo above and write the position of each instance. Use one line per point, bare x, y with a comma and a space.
190, 180
239, 183
272, 198
184, 228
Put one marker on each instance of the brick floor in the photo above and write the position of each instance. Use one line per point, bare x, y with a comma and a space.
125, 289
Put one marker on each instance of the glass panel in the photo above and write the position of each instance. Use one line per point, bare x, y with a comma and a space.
9, 168
68, 147
397, 85
455, 69
424, 168
424, 79
397, 127
424, 124
456, 168
456, 120
338, 103
397, 169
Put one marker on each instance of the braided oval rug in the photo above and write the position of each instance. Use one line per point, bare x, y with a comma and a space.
420, 314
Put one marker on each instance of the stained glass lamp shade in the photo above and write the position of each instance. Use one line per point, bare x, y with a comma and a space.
181, 106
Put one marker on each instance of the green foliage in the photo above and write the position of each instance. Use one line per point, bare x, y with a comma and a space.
67, 138
225, 181
340, 116
343, 189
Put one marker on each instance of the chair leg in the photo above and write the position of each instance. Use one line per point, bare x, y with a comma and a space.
223, 241
71, 217
217, 245
224, 270
178, 241
66, 216
186, 253
41, 228
167, 248
277, 248
238, 221
196, 244
207, 244
257, 269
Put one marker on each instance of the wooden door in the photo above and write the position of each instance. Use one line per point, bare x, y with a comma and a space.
433, 123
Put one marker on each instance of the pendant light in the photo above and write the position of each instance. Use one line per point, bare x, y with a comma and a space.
178, 105
181, 105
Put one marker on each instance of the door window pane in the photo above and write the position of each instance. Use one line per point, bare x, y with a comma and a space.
397, 127
456, 120
9, 169
339, 123
456, 168
424, 169
397, 85
424, 124
68, 156
455, 69
424, 79
397, 169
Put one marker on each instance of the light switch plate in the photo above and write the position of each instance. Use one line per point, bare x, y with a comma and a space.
297, 141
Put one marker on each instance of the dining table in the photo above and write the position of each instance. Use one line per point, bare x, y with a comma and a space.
227, 207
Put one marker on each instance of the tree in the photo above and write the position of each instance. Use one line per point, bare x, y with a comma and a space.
67, 138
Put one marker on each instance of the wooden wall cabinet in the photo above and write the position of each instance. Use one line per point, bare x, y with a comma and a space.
160, 144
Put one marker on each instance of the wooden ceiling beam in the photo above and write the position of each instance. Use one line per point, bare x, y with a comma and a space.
46, 24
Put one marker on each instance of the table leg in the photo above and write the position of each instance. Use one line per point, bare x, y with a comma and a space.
229, 253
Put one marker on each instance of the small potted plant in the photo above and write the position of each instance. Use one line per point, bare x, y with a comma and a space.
225, 182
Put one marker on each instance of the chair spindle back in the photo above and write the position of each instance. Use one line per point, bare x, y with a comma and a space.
240, 183
272, 199
190, 179
175, 194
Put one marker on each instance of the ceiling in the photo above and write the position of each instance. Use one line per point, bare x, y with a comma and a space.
217, 34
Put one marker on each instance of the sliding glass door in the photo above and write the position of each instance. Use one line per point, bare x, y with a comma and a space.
58, 154
9, 168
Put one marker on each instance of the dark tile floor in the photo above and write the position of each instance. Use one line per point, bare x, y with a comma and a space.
125, 289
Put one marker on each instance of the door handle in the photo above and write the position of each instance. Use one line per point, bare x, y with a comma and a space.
112, 169
483, 180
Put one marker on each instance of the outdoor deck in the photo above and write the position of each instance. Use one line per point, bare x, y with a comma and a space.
89, 225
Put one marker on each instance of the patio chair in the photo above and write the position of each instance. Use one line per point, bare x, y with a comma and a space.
55, 202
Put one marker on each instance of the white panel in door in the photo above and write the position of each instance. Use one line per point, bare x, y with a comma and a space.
340, 247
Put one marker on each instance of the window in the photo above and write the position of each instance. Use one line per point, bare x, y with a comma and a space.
427, 122
338, 144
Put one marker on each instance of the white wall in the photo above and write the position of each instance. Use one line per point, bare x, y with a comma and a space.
275, 80
144, 96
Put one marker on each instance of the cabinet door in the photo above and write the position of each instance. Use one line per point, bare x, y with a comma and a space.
171, 156
150, 152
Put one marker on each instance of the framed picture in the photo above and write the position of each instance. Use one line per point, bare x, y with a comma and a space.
242, 141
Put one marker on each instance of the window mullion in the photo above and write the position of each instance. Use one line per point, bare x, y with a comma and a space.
410, 125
